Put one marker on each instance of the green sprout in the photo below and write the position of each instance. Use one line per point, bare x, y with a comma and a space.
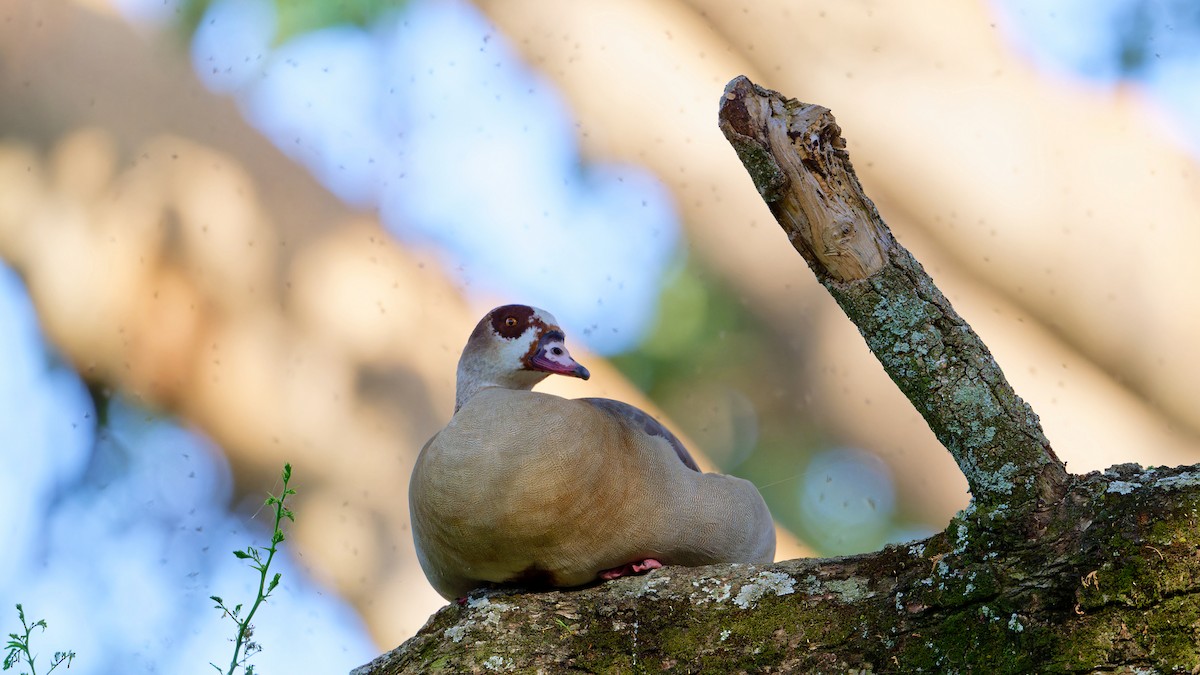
245, 631
18, 647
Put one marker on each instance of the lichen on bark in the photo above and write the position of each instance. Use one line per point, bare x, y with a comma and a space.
927, 349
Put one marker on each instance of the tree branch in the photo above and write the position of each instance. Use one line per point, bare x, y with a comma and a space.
1115, 588
796, 156
1045, 572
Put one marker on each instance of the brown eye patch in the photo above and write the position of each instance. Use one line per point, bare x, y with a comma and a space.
510, 321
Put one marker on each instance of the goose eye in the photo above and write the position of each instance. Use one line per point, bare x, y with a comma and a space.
557, 351
510, 321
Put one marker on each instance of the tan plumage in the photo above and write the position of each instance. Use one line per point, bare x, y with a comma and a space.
528, 488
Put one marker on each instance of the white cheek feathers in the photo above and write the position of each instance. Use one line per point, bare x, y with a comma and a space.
551, 356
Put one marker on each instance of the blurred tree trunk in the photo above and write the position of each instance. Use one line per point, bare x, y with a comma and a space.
99, 121
178, 257
1044, 572
143, 87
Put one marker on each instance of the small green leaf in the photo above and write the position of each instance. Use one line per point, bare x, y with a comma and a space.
242, 555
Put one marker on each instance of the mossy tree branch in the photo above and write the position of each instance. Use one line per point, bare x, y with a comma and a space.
796, 156
1045, 572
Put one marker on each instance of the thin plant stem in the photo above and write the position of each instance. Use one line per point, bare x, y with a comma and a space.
244, 627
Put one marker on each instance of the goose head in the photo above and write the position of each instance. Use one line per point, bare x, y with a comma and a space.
514, 347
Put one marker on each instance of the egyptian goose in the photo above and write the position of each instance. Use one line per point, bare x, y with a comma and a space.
530, 489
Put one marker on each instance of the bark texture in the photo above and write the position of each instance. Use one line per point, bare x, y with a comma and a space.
796, 156
1044, 571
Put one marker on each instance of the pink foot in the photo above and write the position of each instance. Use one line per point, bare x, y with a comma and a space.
632, 568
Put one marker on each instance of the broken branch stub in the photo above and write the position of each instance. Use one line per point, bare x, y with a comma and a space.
796, 156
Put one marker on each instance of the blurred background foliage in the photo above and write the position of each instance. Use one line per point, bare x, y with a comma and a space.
268, 243
297, 17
